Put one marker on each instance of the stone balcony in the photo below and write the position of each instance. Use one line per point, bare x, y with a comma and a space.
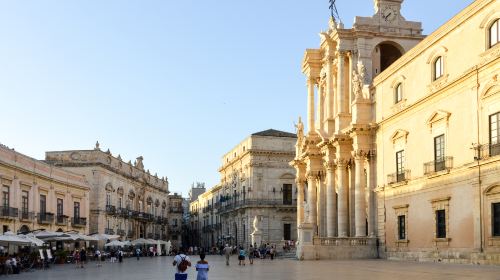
79, 222
8, 212
61, 220
45, 218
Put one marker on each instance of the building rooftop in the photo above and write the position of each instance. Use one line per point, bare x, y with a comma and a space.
275, 133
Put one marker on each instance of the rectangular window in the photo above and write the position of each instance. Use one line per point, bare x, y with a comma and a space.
439, 163
76, 210
287, 194
43, 204
108, 199
398, 94
24, 203
495, 134
402, 227
60, 207
5, 197
441, 223
400, 170
120, 202
495, 217
494, 33
438, 68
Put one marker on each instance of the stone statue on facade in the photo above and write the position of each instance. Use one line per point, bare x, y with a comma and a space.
97, 146
358, 80
300, 135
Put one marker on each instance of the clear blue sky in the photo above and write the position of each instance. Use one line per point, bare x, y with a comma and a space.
179, 82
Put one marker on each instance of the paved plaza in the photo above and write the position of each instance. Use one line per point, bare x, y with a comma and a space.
161, 268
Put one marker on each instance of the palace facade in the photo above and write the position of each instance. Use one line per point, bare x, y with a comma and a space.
125, 199
176, 218
256, 184
402, 145
39, 196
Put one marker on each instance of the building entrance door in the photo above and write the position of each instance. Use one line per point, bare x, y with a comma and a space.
287, 231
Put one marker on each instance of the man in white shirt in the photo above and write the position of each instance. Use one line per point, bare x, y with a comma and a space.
181, 262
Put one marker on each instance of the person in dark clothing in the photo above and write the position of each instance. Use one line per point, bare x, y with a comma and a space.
83, 257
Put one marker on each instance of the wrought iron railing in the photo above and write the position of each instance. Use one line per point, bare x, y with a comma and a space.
26, 216
79, 221
109, 231
61, 220
398, 177
438, 165
8, 212
345, 241
110, 209
45, 218
120, 232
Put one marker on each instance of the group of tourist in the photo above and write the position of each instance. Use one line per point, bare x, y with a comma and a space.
182, 262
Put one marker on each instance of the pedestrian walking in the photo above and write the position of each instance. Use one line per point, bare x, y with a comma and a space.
83, 257
202, 267
76, 257
227, 252
241, 256
251, 254
138, 253
120, 255
98, 257
181, 262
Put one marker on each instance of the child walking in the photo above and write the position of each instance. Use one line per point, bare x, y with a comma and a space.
202, 268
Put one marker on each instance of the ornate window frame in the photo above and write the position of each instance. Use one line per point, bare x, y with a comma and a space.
488, 21
492, 195
401, 210
442, 203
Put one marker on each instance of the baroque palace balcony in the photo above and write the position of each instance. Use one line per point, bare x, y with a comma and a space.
109, 231
438, 165
79, 222
45, 218
110, 209
399, 177
61, 220
176, 210
8, 212
26, 216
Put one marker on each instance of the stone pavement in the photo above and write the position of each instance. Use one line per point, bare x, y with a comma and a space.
161, 268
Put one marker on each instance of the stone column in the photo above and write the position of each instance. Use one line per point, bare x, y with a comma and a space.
310, 104
331, 201
329, 89
360, 189
312, 200
321, 106
343, 209
300, 202
321, 204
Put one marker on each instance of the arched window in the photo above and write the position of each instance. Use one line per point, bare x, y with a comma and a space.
398, 93
438, 68
494, 32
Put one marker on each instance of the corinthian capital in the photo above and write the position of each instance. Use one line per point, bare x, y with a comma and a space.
359, 154
329, 165
341, 162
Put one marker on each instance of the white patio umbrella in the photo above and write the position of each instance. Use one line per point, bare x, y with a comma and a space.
114, 243
103, 236
141, 241
49, 235
75, 237
34, 241
10, 238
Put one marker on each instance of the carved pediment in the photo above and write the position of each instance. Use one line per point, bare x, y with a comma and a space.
399, 134
287, 176
492, 190
438, 116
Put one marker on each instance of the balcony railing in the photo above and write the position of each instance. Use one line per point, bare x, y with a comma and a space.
61, 220
485, 151
26, 216
120, 232
179, 210
109, 231
45, 218
144, 216
398, 177
79, 222
345, 241
440, 165
130, 233
8, 212
110, 209
150, 235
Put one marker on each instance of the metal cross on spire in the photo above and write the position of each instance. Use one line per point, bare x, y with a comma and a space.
333, 10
